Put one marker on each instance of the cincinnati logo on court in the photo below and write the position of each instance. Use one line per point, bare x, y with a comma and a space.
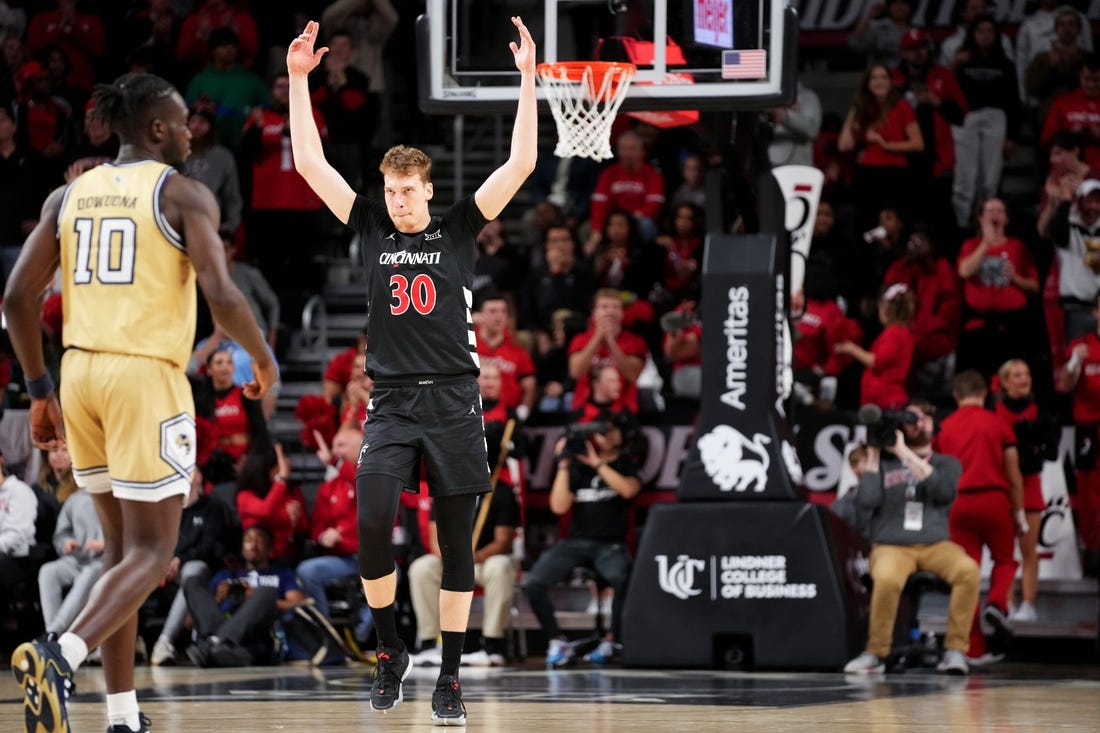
679, 578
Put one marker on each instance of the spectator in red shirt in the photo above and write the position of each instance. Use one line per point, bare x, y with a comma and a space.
821, 327
989, 509
1079, 112
938, 102
238, 421
631, 185
342, 94
935, 325
605, 342
490, 384
886, 366
338, 372
683, 253
883, 130
285, 210
333, 525
192, 47
353, 408
495, 345
683, 346
998, 274
44, 117
79, 35
1081, 376
266, 498
1037, 437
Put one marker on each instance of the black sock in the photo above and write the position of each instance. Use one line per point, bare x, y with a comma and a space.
493, 645
453, 642
385, 623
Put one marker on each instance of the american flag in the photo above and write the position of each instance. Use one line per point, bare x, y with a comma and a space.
744, 64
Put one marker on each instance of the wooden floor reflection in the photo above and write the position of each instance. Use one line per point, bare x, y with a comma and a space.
1012, 698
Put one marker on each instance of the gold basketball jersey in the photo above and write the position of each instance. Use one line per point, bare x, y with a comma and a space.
127, 285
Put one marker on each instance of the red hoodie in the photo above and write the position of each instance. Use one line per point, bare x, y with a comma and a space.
935, 326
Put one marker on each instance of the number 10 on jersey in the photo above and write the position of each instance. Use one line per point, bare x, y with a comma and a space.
117, 240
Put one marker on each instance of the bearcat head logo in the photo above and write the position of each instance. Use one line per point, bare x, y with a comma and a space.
733, 461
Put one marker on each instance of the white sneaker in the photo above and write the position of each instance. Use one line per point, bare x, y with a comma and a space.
559, 653
1025, 613
865, 663
163, 652
953, 662
430, 657
985, 659
482, 658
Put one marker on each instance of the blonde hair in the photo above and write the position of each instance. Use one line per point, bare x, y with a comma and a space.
1002, 373
403, 160
66, 485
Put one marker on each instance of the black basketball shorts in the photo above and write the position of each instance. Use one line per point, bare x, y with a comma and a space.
438, 419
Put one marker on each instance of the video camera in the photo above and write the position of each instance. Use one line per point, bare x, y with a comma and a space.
577, 435
675, 321
883, 424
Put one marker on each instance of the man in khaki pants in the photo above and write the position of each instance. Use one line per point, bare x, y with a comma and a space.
494, 570
909, 489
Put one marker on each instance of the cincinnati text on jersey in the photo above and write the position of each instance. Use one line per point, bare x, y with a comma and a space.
96, 202
409, 258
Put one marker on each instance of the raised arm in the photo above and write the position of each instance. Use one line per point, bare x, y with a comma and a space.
502, 184
305, 140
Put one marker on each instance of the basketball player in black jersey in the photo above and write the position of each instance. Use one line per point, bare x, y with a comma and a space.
423, 358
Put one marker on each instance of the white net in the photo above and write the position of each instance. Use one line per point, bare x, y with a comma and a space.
583, 111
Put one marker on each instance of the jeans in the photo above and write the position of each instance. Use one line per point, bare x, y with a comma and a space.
318, 572
608, 559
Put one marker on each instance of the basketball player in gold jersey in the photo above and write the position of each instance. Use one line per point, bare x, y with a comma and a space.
131, 238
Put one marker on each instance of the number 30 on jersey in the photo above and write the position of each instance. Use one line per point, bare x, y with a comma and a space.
420, 294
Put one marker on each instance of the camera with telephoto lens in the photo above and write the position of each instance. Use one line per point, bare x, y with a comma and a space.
882, 425
577, 435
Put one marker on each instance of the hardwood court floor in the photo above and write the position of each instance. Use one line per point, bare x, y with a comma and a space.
1014, 698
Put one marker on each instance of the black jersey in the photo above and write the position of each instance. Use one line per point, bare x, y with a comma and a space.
419, 291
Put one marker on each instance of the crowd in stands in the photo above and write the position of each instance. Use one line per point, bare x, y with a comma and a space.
585, 303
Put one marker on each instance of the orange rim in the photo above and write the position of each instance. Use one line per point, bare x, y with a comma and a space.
574, 71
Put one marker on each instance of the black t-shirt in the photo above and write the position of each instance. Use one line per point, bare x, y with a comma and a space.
419, 291
599, 512
503, 512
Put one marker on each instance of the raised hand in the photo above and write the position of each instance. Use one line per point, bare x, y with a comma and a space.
300, 57
525, 51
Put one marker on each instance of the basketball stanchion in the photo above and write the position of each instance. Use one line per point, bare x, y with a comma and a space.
584, 97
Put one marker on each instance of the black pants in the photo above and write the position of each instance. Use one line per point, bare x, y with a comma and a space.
252, 618
608, 559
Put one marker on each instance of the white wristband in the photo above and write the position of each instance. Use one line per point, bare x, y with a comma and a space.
1074, 362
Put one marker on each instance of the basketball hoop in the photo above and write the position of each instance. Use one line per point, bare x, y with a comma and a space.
584, 97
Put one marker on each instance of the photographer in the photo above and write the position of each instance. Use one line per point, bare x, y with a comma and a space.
233, 616
909, 489
596, 480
